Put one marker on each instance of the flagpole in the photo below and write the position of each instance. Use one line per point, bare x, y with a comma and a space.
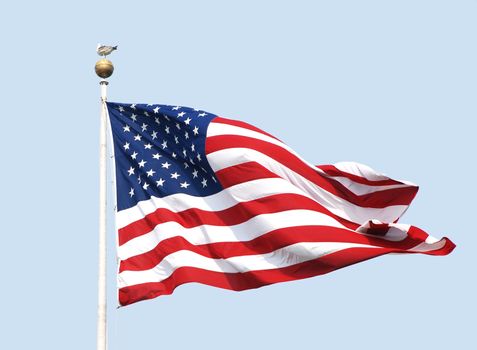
104, 69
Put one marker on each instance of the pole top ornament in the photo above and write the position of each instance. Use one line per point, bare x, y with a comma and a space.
104, 68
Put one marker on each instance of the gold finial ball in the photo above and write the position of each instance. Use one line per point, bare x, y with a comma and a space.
104, 68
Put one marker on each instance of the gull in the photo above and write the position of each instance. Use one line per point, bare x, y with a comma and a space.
104, 50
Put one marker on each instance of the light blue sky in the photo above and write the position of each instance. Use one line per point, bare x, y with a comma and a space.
392, 84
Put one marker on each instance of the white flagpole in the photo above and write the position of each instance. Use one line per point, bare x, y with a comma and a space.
101, 335
104, 68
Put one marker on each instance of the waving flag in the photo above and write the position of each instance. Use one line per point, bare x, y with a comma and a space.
201, 198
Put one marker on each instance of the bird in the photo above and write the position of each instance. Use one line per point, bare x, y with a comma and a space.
104, 50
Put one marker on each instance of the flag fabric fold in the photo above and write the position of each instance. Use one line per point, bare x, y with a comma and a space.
205, 199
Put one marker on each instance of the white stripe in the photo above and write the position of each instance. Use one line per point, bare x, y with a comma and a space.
428, 247
243, 192
245, 231
233, 156
431, 240
365, 171
360, 189
218, 129
287, 256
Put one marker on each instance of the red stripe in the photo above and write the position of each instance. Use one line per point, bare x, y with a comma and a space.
417, 233
266, 243
247, 280
231, 216
240, 124
331, 170
255, 279
448, 247
379, 199
244, 172
250, 171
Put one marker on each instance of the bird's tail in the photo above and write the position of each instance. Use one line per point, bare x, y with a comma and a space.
115, 47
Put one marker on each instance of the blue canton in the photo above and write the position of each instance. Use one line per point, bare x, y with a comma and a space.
159, 150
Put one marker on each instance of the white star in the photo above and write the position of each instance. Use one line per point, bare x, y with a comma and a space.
196, 131
139, 179
204, 183
194, 173
145, 186
131, 171
133, 117
186, 135
134, 155
178, 126
156, 110
187, 121
156, 156
167, 129
126, 145
186, 165
157, 120
175, 108
150, 173
160, 182
202, 114
184, 152
181, 114
164, 144
175, 175
174, 155
146, 114
213, 178
148, 146
192, 147
154, 135
176, 139
126, 128
142, 163
198, 157
144, 127
166, 165
137, 137
133, 106
167, 118
191, 161
184, 184
131, 193
121, 109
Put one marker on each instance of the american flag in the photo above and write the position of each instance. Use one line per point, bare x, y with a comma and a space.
205, 199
